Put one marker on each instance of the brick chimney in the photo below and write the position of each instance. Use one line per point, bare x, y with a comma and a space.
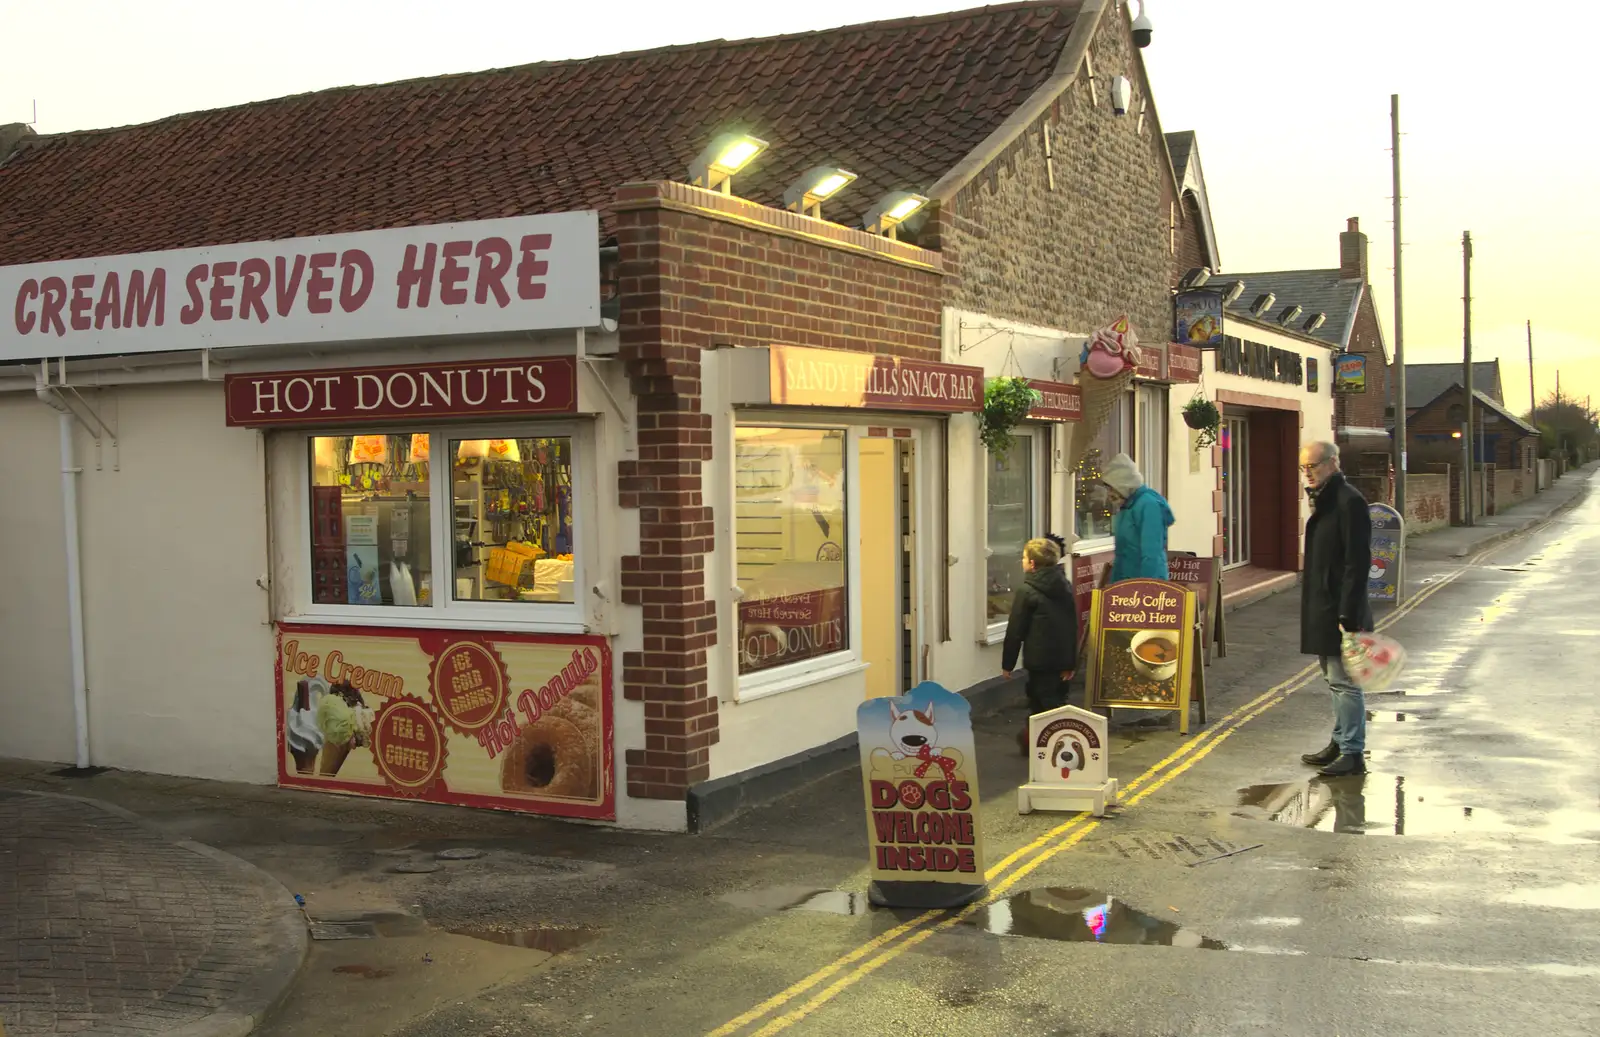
1353, 252
11, 135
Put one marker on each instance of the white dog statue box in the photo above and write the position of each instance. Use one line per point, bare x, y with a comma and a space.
1068, 763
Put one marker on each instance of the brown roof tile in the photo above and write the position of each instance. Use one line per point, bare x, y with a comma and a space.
898, 102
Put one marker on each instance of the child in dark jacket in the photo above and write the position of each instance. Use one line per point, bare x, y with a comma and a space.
1043, 629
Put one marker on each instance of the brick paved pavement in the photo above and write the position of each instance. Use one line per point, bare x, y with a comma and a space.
108, 928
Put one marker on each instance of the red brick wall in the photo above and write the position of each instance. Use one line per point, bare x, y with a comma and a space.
1429, 429
1368, 409
695, 269
1191, 240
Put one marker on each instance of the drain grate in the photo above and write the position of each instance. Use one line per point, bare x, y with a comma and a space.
1177, 849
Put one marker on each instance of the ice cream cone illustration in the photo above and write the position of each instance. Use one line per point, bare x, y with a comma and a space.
302, 733
343, 720
332, 758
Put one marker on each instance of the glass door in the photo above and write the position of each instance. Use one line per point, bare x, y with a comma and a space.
1235, 492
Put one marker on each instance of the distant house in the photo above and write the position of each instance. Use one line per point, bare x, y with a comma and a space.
1424, 382
1499, 437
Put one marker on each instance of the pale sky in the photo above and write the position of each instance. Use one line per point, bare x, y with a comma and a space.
1290, 101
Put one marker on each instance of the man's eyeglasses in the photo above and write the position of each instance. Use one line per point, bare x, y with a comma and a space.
1313, 467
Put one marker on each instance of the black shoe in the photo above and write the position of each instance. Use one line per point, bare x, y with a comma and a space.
1322, 758
1347, 764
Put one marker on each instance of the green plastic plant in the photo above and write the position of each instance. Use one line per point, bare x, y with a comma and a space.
1006, 402
1202, 415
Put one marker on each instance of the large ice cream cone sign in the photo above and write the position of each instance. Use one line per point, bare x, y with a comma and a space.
1105, 371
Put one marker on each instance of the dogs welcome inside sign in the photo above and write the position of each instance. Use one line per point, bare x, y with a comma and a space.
920, 776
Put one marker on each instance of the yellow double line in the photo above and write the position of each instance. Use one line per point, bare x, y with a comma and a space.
1027, 858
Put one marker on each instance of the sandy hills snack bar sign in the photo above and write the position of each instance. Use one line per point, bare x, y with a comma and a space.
509, 721
514, 274
837, 378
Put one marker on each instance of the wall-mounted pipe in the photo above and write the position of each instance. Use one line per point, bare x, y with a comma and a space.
69, 524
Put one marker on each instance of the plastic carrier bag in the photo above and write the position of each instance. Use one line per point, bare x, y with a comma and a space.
1372, 660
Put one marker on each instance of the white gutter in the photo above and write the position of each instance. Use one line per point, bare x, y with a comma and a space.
69, 510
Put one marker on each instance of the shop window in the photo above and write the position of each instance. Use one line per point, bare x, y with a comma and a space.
486, 520
791, 545
370, 529
512, 532
1093, 500
1012, 520
1151, 455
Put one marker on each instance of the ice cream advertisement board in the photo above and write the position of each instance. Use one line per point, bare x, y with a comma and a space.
507, 721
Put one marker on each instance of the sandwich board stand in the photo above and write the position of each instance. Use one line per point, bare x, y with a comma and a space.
919, 774
1068, 763
1386, 580
1142, 649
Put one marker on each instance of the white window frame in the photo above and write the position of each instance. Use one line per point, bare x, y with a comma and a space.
776, 680
445, 611
994, 632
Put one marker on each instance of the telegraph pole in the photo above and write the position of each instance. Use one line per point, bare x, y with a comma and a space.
1533, 397
1399, 336
1466, 374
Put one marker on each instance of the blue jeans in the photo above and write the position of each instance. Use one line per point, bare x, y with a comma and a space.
1349, 708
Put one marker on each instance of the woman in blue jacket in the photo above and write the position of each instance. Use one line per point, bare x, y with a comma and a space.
1140, 525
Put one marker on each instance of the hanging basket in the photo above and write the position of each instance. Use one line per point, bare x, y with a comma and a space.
1006, 402
1202, 415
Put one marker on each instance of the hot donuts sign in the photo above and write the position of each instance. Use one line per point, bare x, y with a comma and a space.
508, 721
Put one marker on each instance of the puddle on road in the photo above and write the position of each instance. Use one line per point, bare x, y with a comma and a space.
364, 971
365, 926
1572, 896
1369, 804
1084, 916
548, 938
1069, 915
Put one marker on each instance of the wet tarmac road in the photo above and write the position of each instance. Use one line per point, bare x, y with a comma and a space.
1453, 889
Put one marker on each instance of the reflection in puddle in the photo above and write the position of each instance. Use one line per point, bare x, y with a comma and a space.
1084, 916
1367, 805
548, 938
835, 901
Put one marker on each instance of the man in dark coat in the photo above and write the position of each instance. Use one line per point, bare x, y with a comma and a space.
1043, 629
1333, 599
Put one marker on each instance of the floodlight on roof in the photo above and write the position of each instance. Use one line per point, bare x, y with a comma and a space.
1263, 303
1231, 295
816, 186
714, 167
1315, 321
892, 210
1196, 277
1289, 314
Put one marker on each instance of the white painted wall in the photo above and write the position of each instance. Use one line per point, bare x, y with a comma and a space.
36, 681
173, 535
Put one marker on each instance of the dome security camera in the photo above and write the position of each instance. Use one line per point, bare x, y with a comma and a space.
1142, 29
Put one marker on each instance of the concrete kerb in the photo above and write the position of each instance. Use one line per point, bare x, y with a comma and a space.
285, 943
1534, 522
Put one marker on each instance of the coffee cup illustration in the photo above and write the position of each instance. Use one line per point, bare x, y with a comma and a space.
1154, 653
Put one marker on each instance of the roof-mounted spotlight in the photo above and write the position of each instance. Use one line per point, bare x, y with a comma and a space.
1290, 314
1196, 277
892, 210
807, 194
1231, 295
714, 167
1263, 303
1313, 322
1142, 29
